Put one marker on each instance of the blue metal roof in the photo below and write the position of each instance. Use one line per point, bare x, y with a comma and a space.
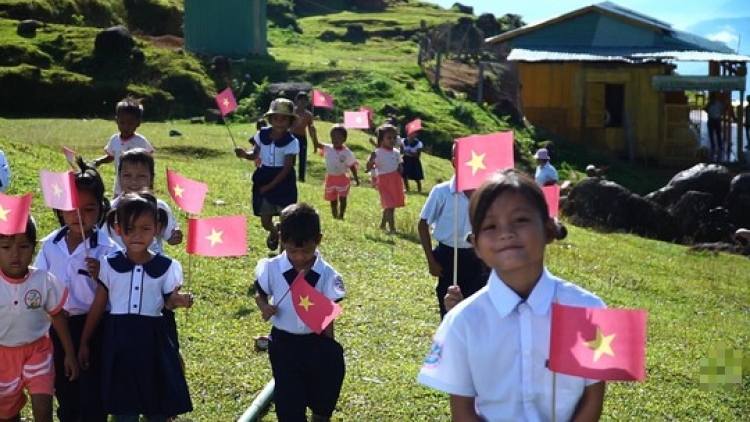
606, 31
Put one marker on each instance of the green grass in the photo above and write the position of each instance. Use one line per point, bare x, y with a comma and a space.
695, 301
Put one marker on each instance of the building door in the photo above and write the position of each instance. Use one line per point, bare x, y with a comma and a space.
596, 94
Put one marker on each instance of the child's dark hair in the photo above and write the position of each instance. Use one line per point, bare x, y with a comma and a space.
30, 231
138, 156
131, 206
383, 129
302, 95
130, 105
87, 179
300, 224
260, 123
338, 127
509, 180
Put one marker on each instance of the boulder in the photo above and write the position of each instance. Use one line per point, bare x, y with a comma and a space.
691, 213
355, 33
114, 43
709, 178
738, 200
27, 28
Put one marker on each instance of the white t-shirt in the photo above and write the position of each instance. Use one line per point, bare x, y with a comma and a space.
4, 172
439, 211
157, 246
338, 161
413, 149
387, 160
116, 146
494, 346
275, 275
71, 269
25, 305
545, 174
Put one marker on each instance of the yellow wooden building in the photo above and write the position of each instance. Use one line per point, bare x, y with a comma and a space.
604, 76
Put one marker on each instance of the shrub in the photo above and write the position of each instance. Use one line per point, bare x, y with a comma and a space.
16, 54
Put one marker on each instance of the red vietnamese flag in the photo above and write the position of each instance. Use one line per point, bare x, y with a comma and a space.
478, 156
552, 195
70, 155
369, 110
313, 308
217, 236
356, 120
59, 190
186, 193
226, 102
598, 343
413, 126
321, 99
14, 213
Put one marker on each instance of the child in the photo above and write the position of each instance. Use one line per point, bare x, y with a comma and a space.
64, 253
128, 115
136, 174
4, 172
29, 300
387, 161
412, 150
305, 124
274, 182
308, 368
489, 352
141, 370
339, 159
545, 175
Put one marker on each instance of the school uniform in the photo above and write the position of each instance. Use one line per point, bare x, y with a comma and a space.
390, 184
494, 346
272, 156
412, 164
79, 399
141, 371
117, 145
545, 174
439, 211
25, 347
157, 245
338, 162
308, 368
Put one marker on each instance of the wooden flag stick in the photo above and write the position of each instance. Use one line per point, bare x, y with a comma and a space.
83, 233
226, 125
455, 238
554, 394
275, 302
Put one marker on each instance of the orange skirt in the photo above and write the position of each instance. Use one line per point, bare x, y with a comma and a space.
391, 188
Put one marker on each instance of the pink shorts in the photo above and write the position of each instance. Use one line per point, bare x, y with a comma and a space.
29, 366
337, 186
391, 188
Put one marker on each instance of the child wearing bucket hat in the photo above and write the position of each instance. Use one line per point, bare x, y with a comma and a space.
274, 181
545, 175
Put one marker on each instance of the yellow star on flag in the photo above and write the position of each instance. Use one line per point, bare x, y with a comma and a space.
359, 119
4, 213
476, 163
601, 345
304, 301
215, 237
226, 102
56, 190
178, 191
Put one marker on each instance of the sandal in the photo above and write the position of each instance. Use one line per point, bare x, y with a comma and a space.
272, 241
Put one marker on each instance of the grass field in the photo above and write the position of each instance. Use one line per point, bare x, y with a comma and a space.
695, 301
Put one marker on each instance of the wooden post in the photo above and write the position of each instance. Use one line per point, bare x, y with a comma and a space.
741, 157
480, 84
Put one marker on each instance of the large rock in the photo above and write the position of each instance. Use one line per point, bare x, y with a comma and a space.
114, 43
600, 203
713, 179
27, 28
691, 213
738, 200
290, 89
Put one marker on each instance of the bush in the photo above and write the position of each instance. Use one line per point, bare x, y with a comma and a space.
153, 17
17, 54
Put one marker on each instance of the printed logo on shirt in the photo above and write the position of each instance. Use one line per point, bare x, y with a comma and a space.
433, 357
33, 299
338, 285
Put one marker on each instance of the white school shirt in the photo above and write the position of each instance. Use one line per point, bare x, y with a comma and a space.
545, 174
4, 172
387, 160
275, 275
116, 146
25, 305
405, 147
494, 346
71, 269
338, 161
157, 245
273, 156
139, 289
439, 212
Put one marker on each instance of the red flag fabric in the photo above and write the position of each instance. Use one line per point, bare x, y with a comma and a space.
552, 195
59, 190
14, 213
321, 99
313, 308
186, 193
598, 343
356, 120
413, 126
478, 156
217, 236
226, 102
70, 155
369, 110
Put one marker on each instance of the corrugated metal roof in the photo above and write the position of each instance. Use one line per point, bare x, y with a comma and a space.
622, 55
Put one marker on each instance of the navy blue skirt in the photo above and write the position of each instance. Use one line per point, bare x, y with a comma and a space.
141, 371
285, 193
413, 168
